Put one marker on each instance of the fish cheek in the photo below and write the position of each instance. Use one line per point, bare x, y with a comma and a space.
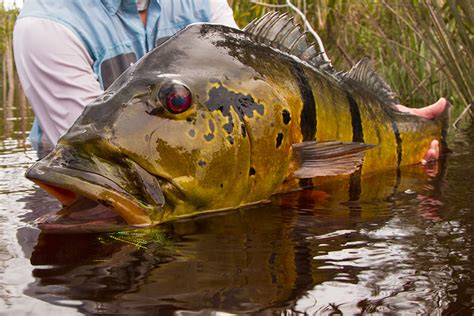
213, 174
173, 160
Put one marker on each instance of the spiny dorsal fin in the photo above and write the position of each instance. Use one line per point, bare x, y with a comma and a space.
363, 76
281, 32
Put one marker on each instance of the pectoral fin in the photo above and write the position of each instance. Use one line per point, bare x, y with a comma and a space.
332, 158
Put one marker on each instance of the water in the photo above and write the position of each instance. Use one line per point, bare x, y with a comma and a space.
393, 247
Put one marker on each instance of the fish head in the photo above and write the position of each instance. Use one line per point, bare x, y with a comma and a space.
184, 130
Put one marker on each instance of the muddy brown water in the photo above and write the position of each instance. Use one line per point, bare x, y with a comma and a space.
385, 245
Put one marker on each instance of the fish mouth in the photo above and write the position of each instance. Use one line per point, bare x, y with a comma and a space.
97, 194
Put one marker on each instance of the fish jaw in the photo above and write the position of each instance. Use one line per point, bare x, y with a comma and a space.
69, 182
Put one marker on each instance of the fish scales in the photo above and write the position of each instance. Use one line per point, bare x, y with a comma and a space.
229, 119
345, 116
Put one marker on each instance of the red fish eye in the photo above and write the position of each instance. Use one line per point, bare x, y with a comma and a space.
176, 98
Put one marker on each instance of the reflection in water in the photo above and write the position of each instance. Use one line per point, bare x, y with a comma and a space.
15, 120
383, 244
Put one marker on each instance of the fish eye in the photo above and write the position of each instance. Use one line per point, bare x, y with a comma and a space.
176, 97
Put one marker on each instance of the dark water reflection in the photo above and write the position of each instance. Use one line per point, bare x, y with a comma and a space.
396, 246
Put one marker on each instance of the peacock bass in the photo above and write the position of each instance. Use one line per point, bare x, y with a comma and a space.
217, 118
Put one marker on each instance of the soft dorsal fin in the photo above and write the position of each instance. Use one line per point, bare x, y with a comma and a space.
363, 76
281, 32
332, 158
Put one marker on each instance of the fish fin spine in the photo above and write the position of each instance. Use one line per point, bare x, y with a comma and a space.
363, 76
281, 32
331, 158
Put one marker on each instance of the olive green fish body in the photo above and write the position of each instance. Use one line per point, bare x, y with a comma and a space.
317, 107
210, 119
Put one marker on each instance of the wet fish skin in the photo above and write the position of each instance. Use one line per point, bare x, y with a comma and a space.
233, 147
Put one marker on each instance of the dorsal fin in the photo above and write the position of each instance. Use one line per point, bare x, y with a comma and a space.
363, 76
281, 32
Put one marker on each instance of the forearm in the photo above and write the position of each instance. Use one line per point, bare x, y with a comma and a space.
221, 13
55, 71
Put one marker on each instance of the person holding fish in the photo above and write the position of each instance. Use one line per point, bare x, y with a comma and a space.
69, 52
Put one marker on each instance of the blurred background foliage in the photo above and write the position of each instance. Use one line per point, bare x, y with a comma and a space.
15, 115
423, 48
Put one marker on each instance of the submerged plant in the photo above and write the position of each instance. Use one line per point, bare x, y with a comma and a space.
139, 238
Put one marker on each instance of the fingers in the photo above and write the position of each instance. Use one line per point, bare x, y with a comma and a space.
431, 111
432, 153
434, 110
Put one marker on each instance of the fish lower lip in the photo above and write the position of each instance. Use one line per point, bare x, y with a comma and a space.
105, 170
68, 184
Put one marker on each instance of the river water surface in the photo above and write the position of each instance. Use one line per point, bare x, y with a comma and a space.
390, 245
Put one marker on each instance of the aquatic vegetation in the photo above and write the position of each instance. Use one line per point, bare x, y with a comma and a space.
139, 238
423, 48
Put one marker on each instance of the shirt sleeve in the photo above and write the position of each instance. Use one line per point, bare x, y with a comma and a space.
56, 73
221, 13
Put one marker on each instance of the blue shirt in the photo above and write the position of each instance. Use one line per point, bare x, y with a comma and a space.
112, 30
